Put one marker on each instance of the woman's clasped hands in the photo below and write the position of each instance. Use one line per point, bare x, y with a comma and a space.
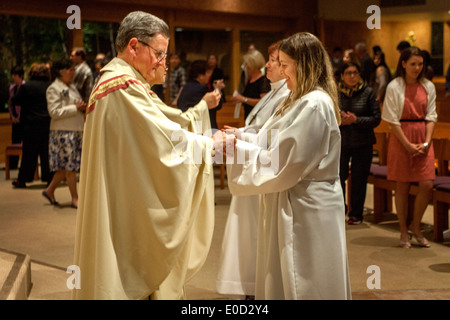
224, 143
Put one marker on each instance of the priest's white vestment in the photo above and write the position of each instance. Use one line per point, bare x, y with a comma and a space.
146, 196
237, 262
301, 249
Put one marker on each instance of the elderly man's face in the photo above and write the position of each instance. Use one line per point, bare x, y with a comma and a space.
160, 75
150, 57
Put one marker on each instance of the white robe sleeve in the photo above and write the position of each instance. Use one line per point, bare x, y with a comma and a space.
299, 143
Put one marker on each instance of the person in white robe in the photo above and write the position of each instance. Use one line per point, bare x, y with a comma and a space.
145, 215
301, 244
237, 261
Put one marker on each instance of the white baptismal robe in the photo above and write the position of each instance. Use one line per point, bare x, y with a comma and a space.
146, 208
237, 262
302, 250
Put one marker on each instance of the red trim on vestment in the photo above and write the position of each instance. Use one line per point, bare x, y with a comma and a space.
124, 85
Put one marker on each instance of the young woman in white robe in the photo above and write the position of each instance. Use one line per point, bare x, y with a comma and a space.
301, 245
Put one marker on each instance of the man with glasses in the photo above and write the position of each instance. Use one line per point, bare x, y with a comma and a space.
145, 212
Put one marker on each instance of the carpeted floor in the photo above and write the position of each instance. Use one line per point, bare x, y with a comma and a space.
30, 225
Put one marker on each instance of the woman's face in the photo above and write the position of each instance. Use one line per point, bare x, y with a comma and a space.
212, 61
67, 75
288, 68
377, 60
273, 69
350, 76
174, 61
413, 67
346, 57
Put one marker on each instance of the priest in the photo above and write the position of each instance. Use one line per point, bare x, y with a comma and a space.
145, 213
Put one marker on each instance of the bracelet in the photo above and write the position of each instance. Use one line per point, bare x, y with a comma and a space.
245, 99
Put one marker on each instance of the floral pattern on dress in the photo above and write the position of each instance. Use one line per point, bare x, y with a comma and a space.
65, 150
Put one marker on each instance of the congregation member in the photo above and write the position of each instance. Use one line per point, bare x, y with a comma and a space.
194, 119
366, 63
382, 75
294, 165
195, 89
213, 72
35, 122
257, 84
360, 113
237, 262
350, 56
17, 74
177, 78
83, 78
66, 109
142, 230
410, 109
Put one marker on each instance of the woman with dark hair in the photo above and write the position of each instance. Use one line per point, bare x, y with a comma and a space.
196, 88
294, 164
213, 71
35, 122
360, 112
410, 109
66, 108
382, 75
17, 74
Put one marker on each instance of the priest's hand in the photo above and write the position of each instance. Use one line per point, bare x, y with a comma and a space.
212, 99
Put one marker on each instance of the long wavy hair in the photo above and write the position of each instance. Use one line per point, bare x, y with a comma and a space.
314, 70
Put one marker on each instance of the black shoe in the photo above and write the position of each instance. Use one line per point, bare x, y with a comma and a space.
19, 184
52, 202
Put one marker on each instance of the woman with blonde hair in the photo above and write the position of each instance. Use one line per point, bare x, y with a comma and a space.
294, 165
350, 56
257, 85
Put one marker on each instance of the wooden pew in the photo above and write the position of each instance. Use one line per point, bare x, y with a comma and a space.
16, 150
441, 193
382, 188
441, 205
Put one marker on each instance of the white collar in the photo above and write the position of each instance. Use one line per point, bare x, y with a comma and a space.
277, 85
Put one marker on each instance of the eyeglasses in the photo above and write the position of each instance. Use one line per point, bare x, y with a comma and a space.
351, 73
160, 55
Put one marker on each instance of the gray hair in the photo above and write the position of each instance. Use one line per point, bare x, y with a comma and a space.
360, 46
255, 60
141, 25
